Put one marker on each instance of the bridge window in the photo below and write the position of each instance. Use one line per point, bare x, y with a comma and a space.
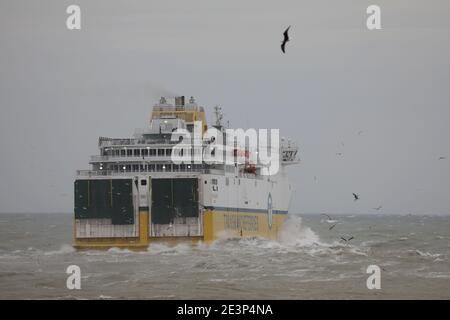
137, 152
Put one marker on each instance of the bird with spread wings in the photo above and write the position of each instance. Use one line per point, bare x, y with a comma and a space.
285, 40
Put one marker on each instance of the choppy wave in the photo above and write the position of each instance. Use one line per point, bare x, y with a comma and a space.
64, 249
307, 261
295, 233
426, 254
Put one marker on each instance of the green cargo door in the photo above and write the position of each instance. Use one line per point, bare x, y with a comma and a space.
174, 198
104, 199
122, 200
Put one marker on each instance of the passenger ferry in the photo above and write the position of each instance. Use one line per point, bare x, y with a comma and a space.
138, 191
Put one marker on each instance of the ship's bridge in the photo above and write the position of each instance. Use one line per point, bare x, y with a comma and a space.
150, 149
189, 113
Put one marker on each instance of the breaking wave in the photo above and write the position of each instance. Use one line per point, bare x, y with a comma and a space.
295, 234
64, 249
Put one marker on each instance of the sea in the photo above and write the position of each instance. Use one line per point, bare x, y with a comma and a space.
411, 255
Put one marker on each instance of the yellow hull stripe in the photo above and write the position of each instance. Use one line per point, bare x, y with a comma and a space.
216, 224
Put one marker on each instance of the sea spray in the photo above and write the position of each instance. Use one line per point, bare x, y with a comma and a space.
294, 233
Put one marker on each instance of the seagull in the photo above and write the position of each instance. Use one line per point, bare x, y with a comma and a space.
378, 208
356, 196
441, 158
339, 153
347, 240
359, 132
330, 220
285, 39
334, 225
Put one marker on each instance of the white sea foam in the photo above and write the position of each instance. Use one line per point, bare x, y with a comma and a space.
119, 250
438, 275
166, 249
427, 254
64, 249
294, 233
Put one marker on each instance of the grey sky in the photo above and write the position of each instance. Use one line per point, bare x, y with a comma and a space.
61, 89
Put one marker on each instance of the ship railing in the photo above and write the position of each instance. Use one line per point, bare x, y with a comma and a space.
96, 173
91, 173
142, 143
114, 142
137, 159
176, 108
134, 142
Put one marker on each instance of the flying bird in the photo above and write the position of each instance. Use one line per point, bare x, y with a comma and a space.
441, 158
378, 208
285, 39
347, 240
334, 225
329, 220
339, 153
356, 196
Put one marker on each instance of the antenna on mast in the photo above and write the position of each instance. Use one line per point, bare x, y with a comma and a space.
219, 116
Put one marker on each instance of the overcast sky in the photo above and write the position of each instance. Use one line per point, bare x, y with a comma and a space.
61, 89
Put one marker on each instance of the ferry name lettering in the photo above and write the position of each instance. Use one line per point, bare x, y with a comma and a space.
246, 223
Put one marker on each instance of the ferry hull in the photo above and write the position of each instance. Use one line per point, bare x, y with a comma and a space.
217, 224
235, 224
